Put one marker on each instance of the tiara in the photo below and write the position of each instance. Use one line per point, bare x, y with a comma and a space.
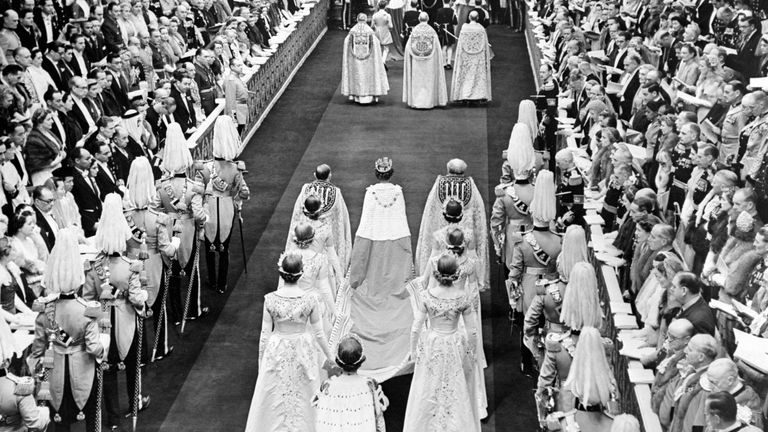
280, 266
305, 242
383, 164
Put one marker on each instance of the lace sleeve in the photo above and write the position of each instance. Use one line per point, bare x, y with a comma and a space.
266, 330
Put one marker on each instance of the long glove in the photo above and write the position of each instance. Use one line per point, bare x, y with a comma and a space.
416, 328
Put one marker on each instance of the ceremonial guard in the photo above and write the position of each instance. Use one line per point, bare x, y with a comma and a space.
592, 383
550, 294
69, 341
18, 410
181, 198
423, 75
445, 22
455, 185
570, 191
534, 256
472, 78
332, 212
363, 74
225, 191
581, 308
753, 137
511, 216
114, 280
153, 244
682, 156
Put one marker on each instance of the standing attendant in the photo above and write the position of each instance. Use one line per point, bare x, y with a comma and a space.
226, 190
423, 76
363, 74
472, 77
382, 22
236, 94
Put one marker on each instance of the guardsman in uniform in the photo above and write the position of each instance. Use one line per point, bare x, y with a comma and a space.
68, 340
226, 190
18, 410
332, 211
581, 308
455, 185
683, 158
510, 216
570, 191
700, 182
534, 256
593, 386
550, 293
181, 198
410, 20
753, 139
205, 80
612, 207
114, 280
152, 244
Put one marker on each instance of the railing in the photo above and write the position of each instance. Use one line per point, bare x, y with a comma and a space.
265, 83
634, 399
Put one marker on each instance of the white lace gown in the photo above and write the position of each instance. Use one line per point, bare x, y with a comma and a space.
288, 369
468, 280
349, 403
443, 389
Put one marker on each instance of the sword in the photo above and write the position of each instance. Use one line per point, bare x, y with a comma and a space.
242, 242
161, 318
137, 386
191, 282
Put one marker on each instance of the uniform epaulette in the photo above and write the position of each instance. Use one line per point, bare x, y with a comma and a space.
196, 186
25, 386
41, 303
92, 308
541, 288
162, 218
552, 342
500, 188
575, 179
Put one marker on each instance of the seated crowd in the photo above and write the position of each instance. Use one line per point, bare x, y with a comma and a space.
663, 110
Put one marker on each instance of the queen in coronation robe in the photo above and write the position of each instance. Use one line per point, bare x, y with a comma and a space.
376, 304
363, 77
423, 75
472, 73
449, 189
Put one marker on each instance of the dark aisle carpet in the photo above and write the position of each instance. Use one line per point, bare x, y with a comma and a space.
207, 384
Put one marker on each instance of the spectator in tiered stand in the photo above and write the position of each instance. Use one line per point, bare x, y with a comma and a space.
697, 127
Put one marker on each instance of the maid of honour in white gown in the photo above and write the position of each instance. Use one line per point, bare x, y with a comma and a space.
289, 363
442, 396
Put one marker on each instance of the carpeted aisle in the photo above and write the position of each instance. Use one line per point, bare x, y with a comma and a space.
312, 123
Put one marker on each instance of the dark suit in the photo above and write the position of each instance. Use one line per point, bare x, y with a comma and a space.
703, 16
75, 66
120, 88
122, 164
185, 112
45, 229
113, 39
106, 184
27, 37
54, 71
110, 103
89, 203
41, 26
701, 316
72, 129
745, 60
79, 117
156, 123
95, 49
